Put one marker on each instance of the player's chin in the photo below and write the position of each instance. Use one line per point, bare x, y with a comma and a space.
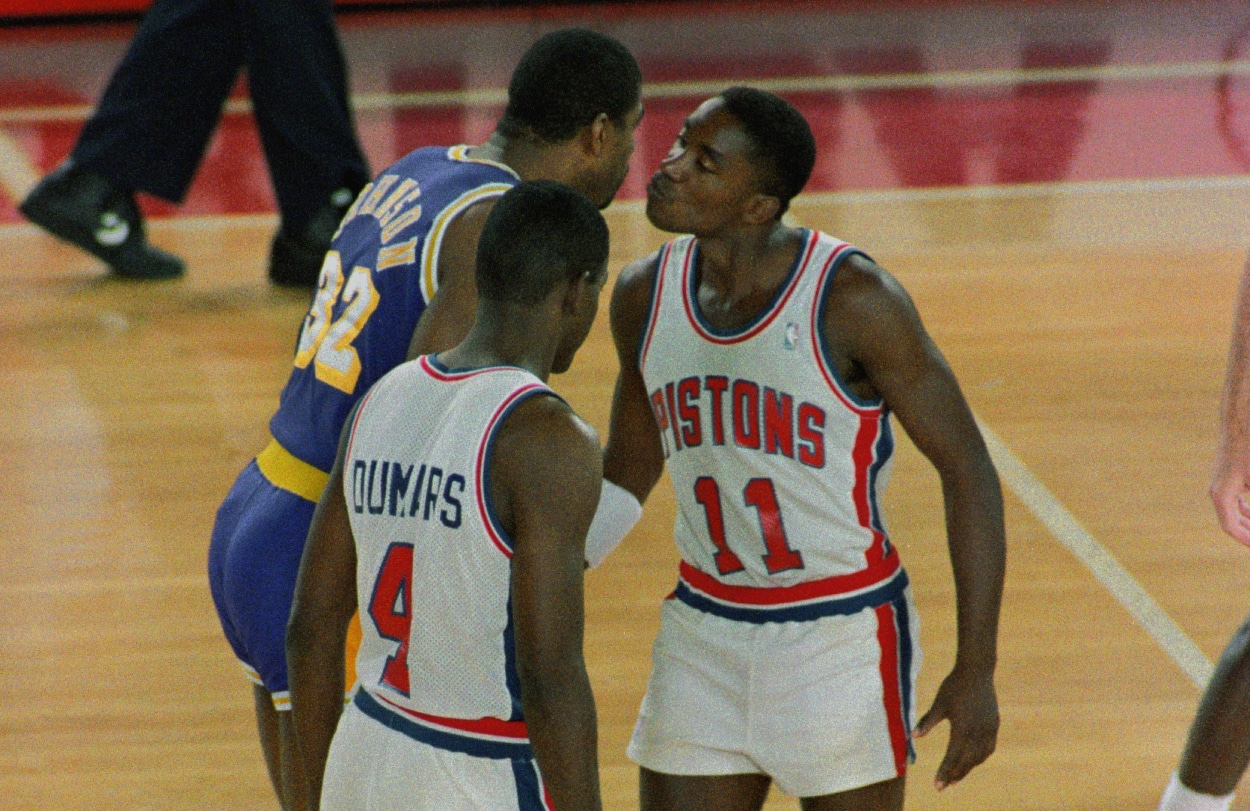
661, 216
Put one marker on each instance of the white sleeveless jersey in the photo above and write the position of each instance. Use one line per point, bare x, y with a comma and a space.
437, 659
778, 467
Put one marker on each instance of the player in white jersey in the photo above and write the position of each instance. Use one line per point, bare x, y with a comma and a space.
456, 518
761, 363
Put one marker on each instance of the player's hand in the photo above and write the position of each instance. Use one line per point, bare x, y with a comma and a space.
969, 702
1230, 492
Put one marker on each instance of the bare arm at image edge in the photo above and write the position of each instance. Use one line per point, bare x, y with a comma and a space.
1230, 484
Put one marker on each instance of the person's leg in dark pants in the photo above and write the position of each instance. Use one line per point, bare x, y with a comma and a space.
298, 82
148, 133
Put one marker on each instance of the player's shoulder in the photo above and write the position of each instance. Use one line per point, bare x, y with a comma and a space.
635, 283
548, 434
867, 305
861, 282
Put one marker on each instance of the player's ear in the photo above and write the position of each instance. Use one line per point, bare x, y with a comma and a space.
762, 208
594, 136
579, 291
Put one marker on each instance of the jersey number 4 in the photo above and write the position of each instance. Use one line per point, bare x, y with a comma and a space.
390, 608
328, 343
760, 494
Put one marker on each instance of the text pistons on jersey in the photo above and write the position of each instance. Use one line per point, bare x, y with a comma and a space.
407, 491
739, 412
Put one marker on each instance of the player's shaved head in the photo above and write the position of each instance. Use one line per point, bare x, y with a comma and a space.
782, 144
538, 235
566, 80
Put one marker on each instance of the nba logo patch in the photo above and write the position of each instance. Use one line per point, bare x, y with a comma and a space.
792, 335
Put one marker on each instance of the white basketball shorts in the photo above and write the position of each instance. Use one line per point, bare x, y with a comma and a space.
821, 706
376, 767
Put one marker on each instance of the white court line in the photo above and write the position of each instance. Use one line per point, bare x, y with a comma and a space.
836, 83
1069, 532
1003, 191
79, 587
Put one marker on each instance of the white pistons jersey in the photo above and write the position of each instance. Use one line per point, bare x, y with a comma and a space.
437, 657
778, 467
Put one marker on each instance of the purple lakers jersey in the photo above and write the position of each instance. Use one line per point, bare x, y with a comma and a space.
377, 279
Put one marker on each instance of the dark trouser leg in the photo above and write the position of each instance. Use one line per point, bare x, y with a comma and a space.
153, 123
298, 81
1218, 749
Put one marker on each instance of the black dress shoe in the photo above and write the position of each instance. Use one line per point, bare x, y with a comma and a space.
295, 260
87, 210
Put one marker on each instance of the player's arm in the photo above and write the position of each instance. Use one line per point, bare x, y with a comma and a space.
634, 457
1230, 484
325, 600
449, 315
545, 475
881, 334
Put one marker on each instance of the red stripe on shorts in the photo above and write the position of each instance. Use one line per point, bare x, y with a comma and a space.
891, 683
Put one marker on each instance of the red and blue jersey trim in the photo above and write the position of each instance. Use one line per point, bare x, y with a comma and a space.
874, 440
432, 367
657, 293
481, 737
841, 595
498, 535
758, 324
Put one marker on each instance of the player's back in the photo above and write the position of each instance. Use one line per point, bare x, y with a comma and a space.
377, 279
433, 564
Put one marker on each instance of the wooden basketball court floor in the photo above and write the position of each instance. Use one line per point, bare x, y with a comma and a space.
1071, 226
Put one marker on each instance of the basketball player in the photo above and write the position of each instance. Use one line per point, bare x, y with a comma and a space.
1218, 747
397, 282
761, 363
456, 517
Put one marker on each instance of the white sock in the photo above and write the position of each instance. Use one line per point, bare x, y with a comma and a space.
1179, 798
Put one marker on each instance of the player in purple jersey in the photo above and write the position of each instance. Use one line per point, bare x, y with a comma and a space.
478, 697
788, 582
397, 282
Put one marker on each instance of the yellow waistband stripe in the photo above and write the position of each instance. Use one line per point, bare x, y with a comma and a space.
284, 470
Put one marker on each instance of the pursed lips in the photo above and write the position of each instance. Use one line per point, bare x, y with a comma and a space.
656, 187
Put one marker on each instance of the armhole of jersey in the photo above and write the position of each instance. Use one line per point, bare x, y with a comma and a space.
353, 418
486, 510
834, 380
434, 240
653, 305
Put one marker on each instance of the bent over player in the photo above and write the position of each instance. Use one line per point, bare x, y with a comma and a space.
456, 517
398, 281
762, 363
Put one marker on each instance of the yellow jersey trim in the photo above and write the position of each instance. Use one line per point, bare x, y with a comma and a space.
434, 241
285, 471
461, 153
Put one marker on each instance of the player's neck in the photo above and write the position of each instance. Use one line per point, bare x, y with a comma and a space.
530, 157
745, 260
506, 335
